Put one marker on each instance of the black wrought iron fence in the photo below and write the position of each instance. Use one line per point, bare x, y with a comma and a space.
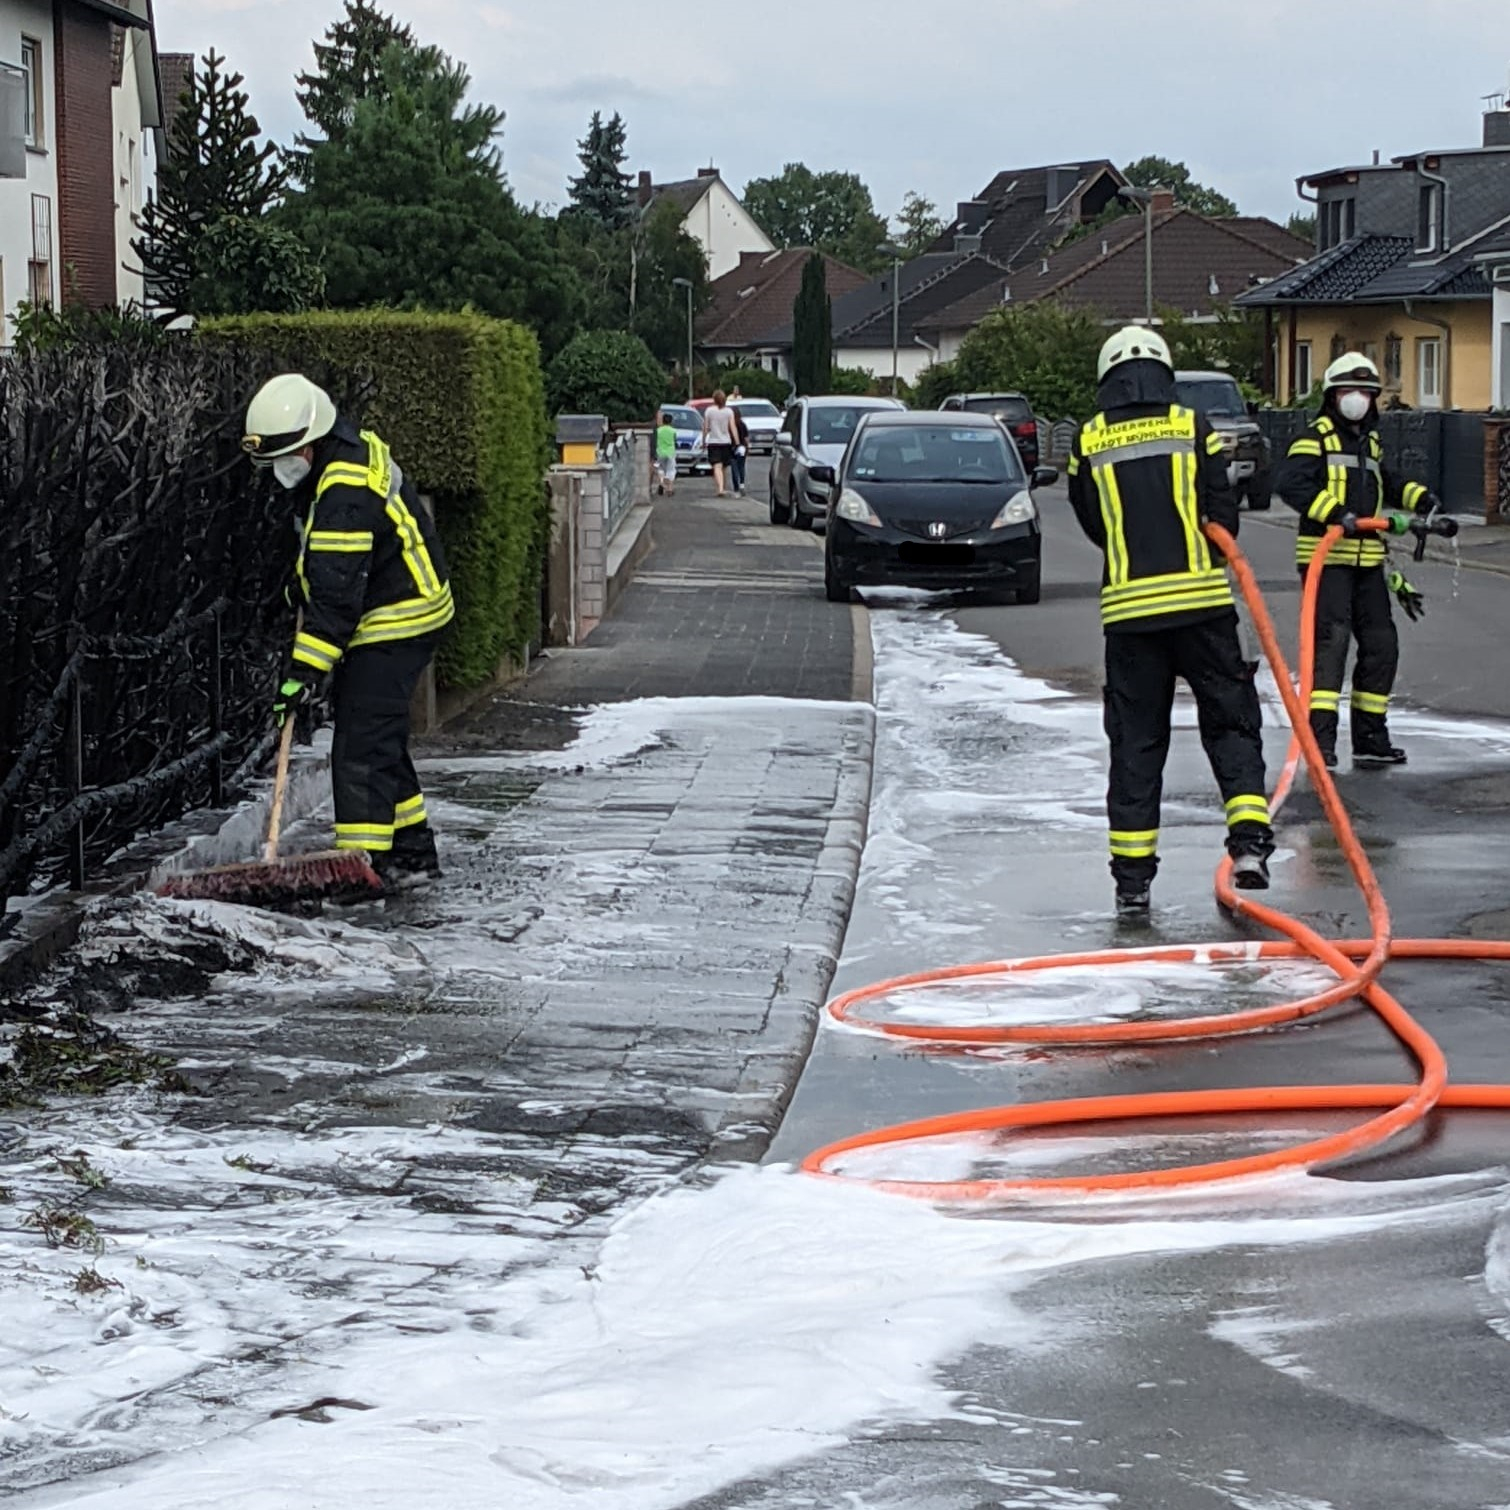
141, 615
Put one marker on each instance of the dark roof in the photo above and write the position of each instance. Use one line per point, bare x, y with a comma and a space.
927, 284
1382, 270
175, 69
1014, 216
1200, 263
1337, 275
756, 298
1270, 234
685, 192
1495, 246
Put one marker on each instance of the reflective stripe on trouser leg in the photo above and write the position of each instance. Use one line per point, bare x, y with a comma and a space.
1252, 808
1325, 701
374, 836
1370, 702
410, 812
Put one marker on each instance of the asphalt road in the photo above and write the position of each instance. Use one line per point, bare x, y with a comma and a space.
1369, 1372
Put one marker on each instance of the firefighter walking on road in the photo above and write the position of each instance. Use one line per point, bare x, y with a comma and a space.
1335, 474
1143, 476
372, 587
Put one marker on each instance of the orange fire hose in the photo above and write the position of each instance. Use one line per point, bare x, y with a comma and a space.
1356, 963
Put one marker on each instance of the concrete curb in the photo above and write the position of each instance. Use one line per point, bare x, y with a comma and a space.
629, 546
759, 1102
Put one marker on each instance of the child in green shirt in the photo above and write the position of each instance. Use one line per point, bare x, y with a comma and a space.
665, 455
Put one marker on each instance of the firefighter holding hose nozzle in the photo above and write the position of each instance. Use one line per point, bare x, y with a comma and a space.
1335, 474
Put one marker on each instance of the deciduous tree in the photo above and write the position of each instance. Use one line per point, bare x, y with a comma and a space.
1047, 351
917, 224
832, 212
1160, 172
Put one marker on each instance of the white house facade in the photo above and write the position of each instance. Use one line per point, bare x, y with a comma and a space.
28, 198
712, 216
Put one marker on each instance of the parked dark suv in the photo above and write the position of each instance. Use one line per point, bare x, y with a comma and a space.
1012, 409
1217, 396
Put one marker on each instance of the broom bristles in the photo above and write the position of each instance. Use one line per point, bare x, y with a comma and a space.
260, 883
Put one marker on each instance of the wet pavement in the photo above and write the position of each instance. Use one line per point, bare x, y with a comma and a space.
430, 1218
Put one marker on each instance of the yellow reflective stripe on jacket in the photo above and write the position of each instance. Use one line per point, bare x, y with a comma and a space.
1213, 444
1361, 552
405, 620
320, 654
1134, 844
1370, 702
1250, 808
1305, 445
348, 542
1187, 500
1412, 494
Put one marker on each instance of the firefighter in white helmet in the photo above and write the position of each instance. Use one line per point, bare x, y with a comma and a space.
371, 581
1143, 476
1334, 474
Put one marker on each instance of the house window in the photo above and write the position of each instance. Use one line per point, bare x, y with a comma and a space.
1339, 345
1338, 219
31, 68
1393, 360
39, 267
1370, 349
1429, 372
1302, 384
1429, 218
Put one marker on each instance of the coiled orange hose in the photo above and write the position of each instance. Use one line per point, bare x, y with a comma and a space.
1356, 963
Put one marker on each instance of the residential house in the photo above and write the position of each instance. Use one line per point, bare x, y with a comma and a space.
80, 117
751, 305
711, 215
1019, 215
1493, 256
1200, 264
1402, 272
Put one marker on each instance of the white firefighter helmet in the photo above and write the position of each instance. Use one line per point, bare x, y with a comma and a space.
286, 414
1133, 343
1352, 370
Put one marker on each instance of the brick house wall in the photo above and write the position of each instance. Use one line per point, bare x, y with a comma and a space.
85, 146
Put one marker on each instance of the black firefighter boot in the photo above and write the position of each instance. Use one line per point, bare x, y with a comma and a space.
412, 859
1324, 727
1371, 743
1134, 880
1250, 845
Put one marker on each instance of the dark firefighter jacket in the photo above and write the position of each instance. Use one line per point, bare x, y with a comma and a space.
370, 567
1332, 470
1142, 477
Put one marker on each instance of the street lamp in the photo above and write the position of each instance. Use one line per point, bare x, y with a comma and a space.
1144, 197
686, 283
898, 257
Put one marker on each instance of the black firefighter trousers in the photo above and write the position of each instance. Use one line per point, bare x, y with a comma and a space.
1352, 602
1141, 669
379, 804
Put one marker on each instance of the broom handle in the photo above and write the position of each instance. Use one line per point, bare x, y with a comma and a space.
280, 787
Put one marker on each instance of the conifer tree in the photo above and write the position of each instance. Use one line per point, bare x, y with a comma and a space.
602, 190
812, 330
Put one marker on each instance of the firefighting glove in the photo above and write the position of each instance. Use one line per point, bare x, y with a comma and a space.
292, 694
1410, 600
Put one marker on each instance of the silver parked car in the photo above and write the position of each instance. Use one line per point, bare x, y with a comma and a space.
762, 419
811, 444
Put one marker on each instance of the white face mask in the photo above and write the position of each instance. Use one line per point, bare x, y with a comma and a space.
1354, 406
290, 470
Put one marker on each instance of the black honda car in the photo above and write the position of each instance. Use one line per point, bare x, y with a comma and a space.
933, 500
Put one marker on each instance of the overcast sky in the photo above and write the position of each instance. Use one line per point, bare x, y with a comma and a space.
932, 95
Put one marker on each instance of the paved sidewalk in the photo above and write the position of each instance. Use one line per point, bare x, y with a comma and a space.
380, 1110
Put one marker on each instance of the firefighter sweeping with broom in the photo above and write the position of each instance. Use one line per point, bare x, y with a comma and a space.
374, 597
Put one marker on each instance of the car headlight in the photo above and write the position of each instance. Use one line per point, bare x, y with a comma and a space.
853, 507
1018, 509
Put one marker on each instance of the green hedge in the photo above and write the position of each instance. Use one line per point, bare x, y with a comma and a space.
460, 400
606, 372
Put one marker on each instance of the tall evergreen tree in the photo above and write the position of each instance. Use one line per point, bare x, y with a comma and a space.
409, 207
348, 68
602, 189
216, 167
812, 330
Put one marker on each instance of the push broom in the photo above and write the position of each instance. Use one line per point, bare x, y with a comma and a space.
279, 882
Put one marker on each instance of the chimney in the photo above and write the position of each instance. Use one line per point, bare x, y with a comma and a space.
1163, 201
1497, 128
645, 191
